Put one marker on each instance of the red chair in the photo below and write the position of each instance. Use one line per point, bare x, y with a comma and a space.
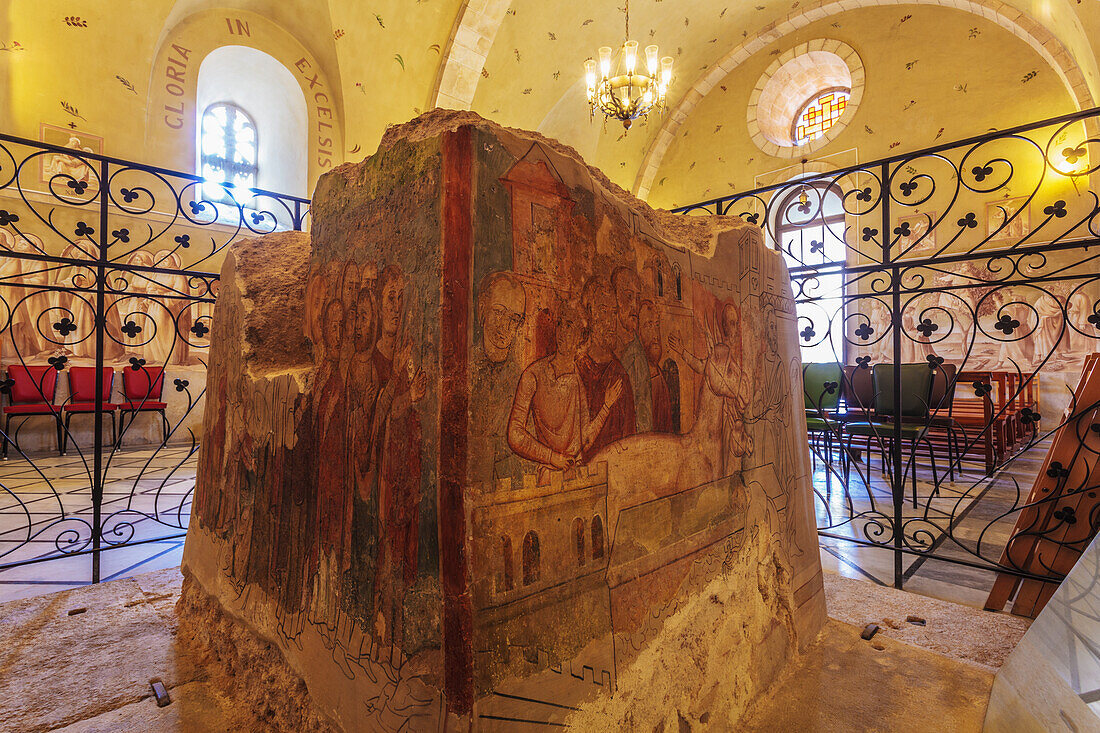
142, 390
82, 398
32, 393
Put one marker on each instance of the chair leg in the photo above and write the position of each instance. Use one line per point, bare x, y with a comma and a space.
7, 436
63, 435
164, 423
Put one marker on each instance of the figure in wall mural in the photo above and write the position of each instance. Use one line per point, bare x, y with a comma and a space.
556, 392
501, 305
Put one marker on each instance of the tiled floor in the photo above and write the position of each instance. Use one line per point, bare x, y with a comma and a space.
46, 511
970, 520
45, 503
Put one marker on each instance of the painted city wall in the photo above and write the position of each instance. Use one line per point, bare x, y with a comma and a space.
477, 438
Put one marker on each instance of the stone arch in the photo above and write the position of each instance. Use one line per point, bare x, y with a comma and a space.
471, 40
1031, 31
171, 100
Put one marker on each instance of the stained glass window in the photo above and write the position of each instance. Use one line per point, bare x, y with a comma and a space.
228, 150
819, 114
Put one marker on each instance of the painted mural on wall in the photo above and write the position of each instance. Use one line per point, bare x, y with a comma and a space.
49, 308
628, 422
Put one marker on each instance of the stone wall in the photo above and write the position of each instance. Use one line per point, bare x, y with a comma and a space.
476, 442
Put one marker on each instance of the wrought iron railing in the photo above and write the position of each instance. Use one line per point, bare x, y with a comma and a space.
976, 259
108, 275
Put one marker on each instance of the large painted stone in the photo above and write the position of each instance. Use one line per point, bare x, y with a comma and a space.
495, 427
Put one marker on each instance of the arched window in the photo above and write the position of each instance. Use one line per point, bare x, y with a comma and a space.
597, 537
671, 373
809, 226
253, 127
531, 571
508, 580
578, 533
228, 144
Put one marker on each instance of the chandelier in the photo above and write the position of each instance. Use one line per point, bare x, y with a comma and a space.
625, 92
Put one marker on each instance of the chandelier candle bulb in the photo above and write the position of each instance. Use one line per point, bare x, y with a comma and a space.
630, 56
651, 59
605, 62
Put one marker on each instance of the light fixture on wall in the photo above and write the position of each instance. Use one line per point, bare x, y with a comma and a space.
619, 89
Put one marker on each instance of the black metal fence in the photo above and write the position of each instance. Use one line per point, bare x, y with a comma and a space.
108, 275
948, 299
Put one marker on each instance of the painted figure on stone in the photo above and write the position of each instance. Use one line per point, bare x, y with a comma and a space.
631, 351
397, 446
332, 479
725, 377
550, 421
501, 305
600, 370
649, 330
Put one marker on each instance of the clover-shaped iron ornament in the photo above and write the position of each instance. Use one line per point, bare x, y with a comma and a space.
1094, 319
927, 328
57, 362
1066, 514
1028, 416
969, 221
869, 233
934, 361
981, 172
864, 331
6, 217
982, 389
257, 217
200, 329
181, 384
197, 207
1007, 324
816, 246
78, 186
908, 187
830, 387
122, 235
863, 362
6, 385
1057, 470
131, 329
902, 230
864, 194
751, 218
136, 363
1057, 209
1072, 155
128, 195
807, 333
83, 230
65, 326
183, 240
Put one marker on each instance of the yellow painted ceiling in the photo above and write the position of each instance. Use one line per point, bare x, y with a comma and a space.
385, 56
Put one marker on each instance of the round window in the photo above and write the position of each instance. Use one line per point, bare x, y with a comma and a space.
805, 98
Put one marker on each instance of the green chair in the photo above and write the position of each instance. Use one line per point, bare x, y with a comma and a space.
821, 393
916, 395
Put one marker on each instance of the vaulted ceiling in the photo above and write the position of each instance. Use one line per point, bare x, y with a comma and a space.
520, 62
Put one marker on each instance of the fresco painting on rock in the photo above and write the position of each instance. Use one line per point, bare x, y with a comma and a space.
490, 425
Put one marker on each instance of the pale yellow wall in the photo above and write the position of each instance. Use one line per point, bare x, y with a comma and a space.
382, 62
